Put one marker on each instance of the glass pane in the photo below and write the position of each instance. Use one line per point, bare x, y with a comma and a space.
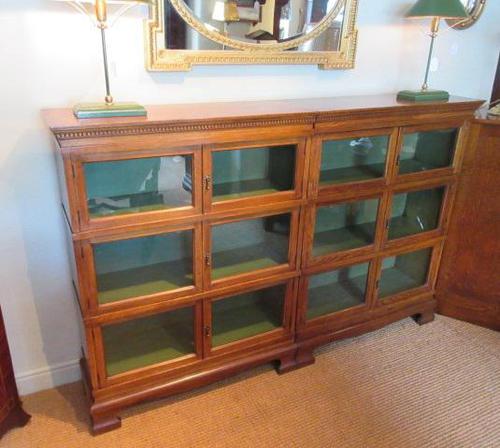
415, 212
247, 315
142, 266
337, 290
149, 340
138, 185
429, 150
405, 271
244, 246
251, 172
353, 160
345, 226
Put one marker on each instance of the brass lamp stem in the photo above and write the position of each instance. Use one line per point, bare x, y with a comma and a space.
101, 15
434, 33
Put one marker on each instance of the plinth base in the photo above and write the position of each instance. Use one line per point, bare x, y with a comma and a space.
423, 95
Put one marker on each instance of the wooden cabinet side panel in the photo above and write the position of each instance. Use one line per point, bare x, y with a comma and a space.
469, 282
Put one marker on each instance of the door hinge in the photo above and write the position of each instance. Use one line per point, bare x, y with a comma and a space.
206, 331
208, 182
208, 260
387, 223
398, 158
377, 283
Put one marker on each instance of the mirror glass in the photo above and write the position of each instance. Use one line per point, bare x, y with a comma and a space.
469, 5
254, 22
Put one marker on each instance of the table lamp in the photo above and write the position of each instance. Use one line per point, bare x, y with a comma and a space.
436, 10
108, 108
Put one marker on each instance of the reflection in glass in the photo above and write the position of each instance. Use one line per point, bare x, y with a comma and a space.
137, 185
254, 21
427, 150
247, 315
251, 172
337, 290
345, 226
149, 340
403, 272
353, 160
415, 212
249, 245
143, 266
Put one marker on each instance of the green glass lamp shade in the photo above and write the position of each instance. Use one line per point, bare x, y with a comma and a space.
449, 9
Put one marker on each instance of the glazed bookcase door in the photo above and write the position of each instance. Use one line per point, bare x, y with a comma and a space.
127, 270
249, 318
139, 186
250, 174
353, 159
404, 274
250, 247
344, 229
418, 214
148, 344
429, 151
340, 291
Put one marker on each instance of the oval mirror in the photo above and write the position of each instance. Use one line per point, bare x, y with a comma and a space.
261, 24
474, 8
183, 33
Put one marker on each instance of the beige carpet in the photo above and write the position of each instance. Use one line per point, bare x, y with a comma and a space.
403, 386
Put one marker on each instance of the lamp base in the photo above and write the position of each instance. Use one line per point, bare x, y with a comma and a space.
423, 95
103, 110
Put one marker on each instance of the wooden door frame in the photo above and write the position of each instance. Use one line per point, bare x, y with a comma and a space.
298, 192
95, 155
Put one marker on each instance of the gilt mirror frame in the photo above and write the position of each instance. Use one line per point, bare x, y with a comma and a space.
158, 58
475, 11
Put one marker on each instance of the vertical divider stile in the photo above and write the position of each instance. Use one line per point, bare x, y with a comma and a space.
373, 282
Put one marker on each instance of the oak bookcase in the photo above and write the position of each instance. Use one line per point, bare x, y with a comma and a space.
210, 238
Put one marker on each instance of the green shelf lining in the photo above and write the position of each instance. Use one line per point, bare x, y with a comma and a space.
338, 296
352, 173
395, 280
153, 203
244, 188
402, 226
246, 315
407, 166
148, 341
248, 258
343, 239
145, 280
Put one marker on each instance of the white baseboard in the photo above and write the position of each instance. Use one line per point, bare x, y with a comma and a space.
48, 377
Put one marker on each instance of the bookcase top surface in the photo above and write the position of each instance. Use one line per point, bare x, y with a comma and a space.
306, 108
